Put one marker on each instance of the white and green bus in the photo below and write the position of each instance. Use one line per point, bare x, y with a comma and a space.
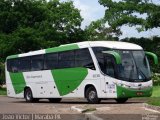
93, 70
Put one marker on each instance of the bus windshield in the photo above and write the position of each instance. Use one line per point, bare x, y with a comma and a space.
134, 67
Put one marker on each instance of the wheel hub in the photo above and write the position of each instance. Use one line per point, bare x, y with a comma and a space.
28, 96
92, 95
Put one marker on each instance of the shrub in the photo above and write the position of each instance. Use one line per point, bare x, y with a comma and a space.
156, 79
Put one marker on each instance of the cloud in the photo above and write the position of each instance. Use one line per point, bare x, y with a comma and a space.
132, 32
85, 12
89, 10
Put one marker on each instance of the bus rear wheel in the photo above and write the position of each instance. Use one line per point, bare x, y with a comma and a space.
29, 96
91, 95
121, 100
55, 100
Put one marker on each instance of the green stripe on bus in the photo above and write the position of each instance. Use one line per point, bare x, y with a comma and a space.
18, 82
67, 80
12, 56
129, 93
62, 48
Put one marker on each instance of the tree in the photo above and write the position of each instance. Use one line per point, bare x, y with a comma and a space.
27, 25
132, 12
97, 30
66, 21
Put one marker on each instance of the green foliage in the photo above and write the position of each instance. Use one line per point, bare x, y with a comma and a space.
3, 91
89, 110
98, 30
128, 12
155, 98
27, 25
156, 79
156, 91
19, 41
154, 101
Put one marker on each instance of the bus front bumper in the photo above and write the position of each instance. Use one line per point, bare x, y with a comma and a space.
123, 92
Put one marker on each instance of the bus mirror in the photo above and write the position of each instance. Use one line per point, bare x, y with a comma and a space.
115, 55
154, 56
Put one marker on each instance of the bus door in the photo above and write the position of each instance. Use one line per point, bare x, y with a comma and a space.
110, 71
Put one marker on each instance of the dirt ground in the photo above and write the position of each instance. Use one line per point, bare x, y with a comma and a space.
107, 109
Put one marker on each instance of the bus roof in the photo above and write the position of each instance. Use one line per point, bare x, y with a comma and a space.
108, 44
116, 45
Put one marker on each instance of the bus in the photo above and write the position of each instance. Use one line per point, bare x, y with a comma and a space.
94, 70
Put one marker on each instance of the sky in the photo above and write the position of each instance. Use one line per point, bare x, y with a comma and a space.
91, 10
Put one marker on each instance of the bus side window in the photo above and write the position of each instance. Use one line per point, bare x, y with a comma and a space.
84, 59
24, 64
51, 61
37, 62
66, 59
13, 65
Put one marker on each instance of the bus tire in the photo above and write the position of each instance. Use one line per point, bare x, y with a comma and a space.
121, 100
91, 95
55, 100
29, 96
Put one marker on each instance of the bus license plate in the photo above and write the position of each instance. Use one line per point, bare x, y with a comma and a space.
139, 93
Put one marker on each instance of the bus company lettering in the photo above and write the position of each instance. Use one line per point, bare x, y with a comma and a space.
35, 76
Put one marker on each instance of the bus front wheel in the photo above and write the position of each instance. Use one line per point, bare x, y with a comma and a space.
29, 96
121, 100
91, 95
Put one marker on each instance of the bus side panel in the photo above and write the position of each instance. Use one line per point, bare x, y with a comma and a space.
110, 87
92, 78
67, 80
11, 92
42, 84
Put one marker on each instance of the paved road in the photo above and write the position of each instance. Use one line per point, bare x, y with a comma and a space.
108, 109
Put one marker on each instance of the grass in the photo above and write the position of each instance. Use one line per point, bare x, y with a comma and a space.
3, 91
155, 98
154, 101
89, 110
156, 91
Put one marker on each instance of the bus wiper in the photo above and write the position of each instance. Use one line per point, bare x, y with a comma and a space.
142, 73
